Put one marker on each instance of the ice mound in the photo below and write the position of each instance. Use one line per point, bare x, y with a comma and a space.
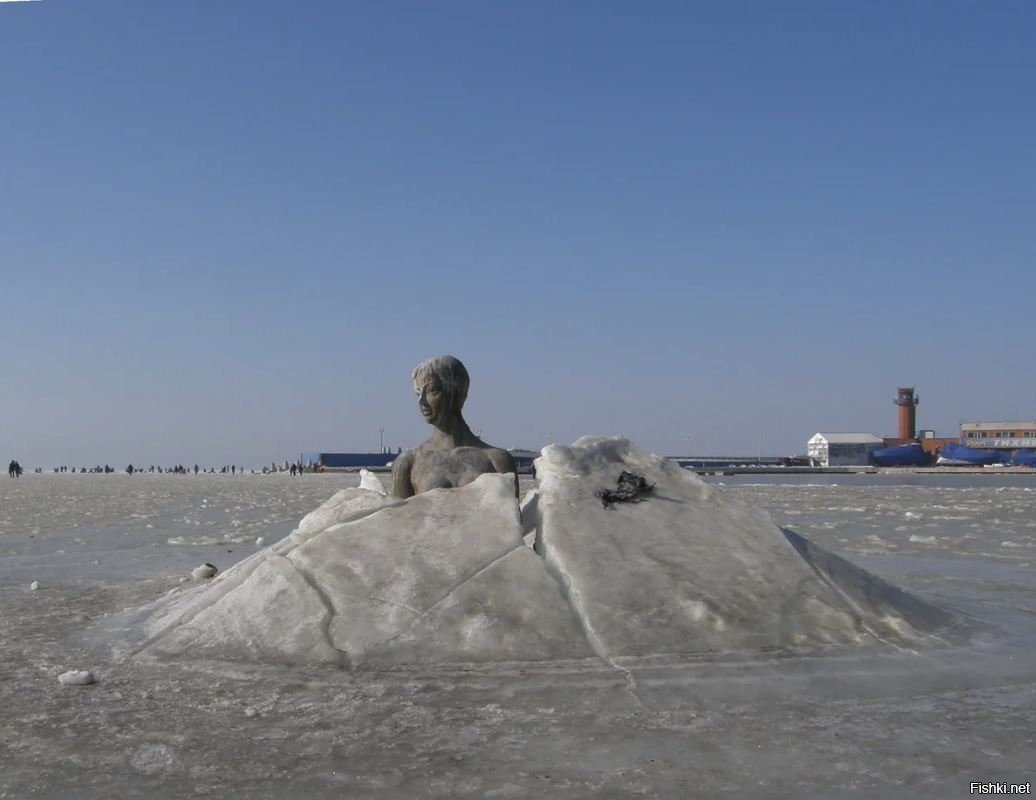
372, 581
368, 579
690, 569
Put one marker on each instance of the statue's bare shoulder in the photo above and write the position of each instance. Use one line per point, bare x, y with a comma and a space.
502, 461
401, 481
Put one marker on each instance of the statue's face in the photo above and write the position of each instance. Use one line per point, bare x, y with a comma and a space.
433, 401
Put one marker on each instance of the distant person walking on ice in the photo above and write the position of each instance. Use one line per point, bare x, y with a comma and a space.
14, 469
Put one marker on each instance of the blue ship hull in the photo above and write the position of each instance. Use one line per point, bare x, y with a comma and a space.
1024, 458
905, 455
968, 456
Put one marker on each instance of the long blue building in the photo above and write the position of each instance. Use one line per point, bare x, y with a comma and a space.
348, 460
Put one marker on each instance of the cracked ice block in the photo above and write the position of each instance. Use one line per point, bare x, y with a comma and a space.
510, 611
274, 615
382, 572
689, 569
441, 577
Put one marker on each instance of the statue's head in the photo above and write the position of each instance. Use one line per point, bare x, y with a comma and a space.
441, 384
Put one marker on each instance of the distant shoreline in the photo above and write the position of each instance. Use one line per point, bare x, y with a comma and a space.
862, 470
725, 470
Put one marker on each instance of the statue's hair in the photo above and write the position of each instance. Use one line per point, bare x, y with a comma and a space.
451, 374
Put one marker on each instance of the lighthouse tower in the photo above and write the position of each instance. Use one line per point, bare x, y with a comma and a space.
907, 412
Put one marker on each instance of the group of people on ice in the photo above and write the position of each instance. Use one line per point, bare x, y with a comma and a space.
14, 469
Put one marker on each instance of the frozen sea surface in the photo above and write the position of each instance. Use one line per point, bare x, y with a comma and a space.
899, 725
960, 539
105, 525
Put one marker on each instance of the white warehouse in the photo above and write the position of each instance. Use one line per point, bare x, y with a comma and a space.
842, 449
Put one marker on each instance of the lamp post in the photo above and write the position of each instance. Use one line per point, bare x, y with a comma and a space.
381, 439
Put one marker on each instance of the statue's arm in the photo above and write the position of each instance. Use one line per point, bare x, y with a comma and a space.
402, 486
503, 463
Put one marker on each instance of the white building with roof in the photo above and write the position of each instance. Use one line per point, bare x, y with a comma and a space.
842, 449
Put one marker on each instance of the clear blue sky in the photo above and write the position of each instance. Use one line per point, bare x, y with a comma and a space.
229, 229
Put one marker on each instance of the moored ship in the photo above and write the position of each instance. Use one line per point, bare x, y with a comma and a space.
962, 455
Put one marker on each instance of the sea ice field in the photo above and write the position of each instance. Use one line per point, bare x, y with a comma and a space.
899, 724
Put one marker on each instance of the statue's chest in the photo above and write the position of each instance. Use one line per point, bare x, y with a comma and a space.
445, 469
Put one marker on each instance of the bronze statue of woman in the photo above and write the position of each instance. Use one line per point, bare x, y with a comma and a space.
452, 456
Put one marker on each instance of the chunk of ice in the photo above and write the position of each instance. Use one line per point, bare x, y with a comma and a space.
77, 677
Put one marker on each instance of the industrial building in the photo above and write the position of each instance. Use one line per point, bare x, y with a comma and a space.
842, 449
350, 462
998, 435
347, 461
913, 448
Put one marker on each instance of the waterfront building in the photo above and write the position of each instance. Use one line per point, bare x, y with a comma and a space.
347, 461
842, 449
998, 435
354, 461
931, 443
